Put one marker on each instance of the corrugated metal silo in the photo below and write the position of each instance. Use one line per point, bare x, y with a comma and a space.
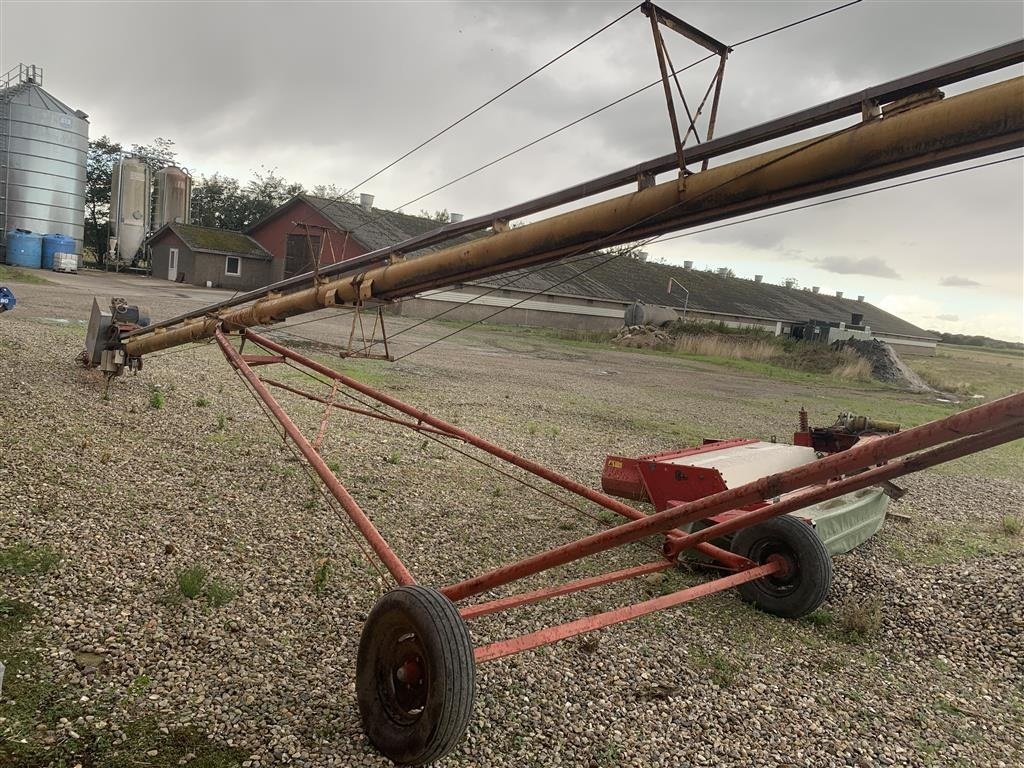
130, 186
43, 149
173, 197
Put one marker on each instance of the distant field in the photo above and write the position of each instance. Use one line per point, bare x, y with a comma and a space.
972, 370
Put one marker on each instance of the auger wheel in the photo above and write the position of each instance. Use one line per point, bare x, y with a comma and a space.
415, 676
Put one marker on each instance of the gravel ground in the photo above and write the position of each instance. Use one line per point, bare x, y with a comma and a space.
916, 659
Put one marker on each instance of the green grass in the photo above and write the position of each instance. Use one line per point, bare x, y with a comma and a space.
1011, 525
23, 559
201, 402
219, 593
972, 370
157, 398
322, 576
957, 543
16, 275
191, 581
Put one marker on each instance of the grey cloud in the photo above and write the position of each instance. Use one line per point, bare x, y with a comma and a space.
955, 281
856, 265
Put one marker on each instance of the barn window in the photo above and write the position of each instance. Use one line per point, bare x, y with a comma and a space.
232, 265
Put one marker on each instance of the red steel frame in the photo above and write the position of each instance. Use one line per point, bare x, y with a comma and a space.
863, 465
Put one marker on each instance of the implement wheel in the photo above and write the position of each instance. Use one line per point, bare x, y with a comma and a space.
806, 577
415, 676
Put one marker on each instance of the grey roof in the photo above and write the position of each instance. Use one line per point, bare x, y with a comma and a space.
373, 229
224, 242
628, 279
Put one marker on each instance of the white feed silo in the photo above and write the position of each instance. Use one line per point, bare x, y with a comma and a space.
173, 197
130, 187
44, 144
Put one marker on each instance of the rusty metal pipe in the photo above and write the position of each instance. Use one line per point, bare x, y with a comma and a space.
352, 409
350, 505
998, 413
450, 430
526, 598
620, 615
873, 476
982, 121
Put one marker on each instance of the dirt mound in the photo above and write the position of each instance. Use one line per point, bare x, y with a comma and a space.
642, 337
885, 363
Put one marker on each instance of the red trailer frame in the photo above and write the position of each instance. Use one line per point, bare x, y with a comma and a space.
416, 663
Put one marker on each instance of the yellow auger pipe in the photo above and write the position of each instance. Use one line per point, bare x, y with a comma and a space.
980, 122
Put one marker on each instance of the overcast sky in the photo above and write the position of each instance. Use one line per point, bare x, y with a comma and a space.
329, 92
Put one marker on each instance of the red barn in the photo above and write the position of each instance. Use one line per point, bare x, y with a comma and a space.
307, 226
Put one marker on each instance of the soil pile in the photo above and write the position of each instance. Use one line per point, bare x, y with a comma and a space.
885, 363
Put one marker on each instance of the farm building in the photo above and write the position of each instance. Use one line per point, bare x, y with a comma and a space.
207, 256
308, 226
590, 293
593, 293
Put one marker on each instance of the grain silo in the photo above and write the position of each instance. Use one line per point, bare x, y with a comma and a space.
43, 148
173, 197
130, 190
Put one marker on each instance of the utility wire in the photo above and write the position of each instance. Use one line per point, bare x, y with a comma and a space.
575, 122
662, 238
474, 111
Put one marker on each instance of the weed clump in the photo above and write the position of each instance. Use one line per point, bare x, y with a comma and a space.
23, 559
157, 398
1012, 525
860, 620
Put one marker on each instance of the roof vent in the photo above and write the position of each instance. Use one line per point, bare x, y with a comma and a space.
790, 282
723, 271
455, 218
687, 265
758, 278
641, 255
815, 289
839, 294
860, 298
366, 202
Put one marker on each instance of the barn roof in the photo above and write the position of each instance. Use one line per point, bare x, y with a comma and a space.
373, 229
213, 240
627, 279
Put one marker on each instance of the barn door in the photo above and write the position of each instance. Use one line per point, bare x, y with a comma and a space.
299, 254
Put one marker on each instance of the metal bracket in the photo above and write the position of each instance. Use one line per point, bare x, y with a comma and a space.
659, 16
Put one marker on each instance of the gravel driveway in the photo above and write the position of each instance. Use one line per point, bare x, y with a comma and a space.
917, 658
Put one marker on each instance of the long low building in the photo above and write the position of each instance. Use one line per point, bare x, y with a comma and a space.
594, 292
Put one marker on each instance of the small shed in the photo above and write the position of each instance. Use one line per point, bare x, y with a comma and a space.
207, 256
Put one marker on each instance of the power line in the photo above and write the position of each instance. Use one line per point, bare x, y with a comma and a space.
662, 238
474, 111
816, 203
575, 122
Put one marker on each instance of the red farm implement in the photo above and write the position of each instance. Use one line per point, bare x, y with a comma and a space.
747, 518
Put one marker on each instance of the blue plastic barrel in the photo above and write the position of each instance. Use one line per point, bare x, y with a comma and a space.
56, 244
24, 249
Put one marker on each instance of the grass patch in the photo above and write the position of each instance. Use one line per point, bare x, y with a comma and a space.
720, 669
956, 544
322, 576
191, 581
201, 402
23, 559
1011, 525
860, 620
195, 582
971, 370
15, 275
157, 398
218, 593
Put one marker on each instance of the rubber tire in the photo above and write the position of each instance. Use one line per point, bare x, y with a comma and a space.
806, 587
450, 676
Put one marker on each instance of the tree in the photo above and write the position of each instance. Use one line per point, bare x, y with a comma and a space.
103, 153
331, 192
157, 155
218, 201
442, 216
